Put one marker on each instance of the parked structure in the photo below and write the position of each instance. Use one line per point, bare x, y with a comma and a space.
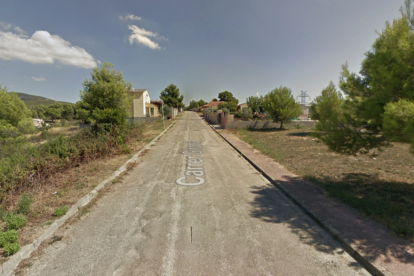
38, 122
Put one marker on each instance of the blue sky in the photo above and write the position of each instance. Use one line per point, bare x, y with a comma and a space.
48, 47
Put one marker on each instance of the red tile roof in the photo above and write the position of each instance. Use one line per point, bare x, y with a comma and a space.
215, 104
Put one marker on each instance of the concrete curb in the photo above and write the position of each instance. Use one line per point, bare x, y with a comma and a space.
349, 246
24, 253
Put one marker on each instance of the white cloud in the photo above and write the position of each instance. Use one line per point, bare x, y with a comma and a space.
141, 36
7, 26
38, 79
130, 17
43, 47
19, 30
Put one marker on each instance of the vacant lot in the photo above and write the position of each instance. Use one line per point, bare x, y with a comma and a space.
381, 185
66, 187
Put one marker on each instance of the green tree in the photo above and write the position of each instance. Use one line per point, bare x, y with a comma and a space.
281, 105
386, 76
193, 104
12, 109
105, 99
227, 97
171, 96
41, 111
201, 103
329, 102
407, 11
232, 106
255, 104
214, 100
68, 111
327, 109
54, 111
398, 121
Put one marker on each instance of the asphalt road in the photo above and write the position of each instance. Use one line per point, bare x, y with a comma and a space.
223, 218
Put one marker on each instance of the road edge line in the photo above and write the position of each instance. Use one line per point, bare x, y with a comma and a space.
350, 247
24, 253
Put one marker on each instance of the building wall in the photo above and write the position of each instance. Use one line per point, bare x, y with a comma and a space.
138, 104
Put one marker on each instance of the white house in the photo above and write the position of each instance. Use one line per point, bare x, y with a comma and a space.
141, 104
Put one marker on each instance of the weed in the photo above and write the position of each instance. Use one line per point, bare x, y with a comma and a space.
123, 149
3, 214
11, 248
50, 222
81, 185
15, 221
114, 181
7, 237
129, 156
83, 212
60, 211
55, 239
25, 202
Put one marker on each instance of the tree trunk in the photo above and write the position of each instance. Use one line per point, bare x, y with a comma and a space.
281, 124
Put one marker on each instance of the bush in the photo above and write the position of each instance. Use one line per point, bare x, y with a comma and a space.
225, 110
25, 202
26, 126
60, 211
166, 110
8, 237
232, 106
15, 222
8, 131
298, 126
245, 113
11, 248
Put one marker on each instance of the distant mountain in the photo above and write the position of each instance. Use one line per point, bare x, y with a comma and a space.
32, 100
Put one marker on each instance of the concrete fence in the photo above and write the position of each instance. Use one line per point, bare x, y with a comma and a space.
218, 118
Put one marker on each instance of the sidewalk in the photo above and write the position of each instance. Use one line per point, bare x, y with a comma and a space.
370, 243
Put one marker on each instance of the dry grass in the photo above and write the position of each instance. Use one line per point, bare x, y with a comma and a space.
67, 187
380, 184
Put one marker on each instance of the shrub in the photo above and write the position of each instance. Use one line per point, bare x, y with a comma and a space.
124, 149
299, 126
15, 221
11, 248
60, 211
166, 110
232, 106
246, 113
226, 110
8, 237
8, 131
25, 202
26, 126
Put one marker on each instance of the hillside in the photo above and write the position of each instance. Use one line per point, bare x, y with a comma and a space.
32, 100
